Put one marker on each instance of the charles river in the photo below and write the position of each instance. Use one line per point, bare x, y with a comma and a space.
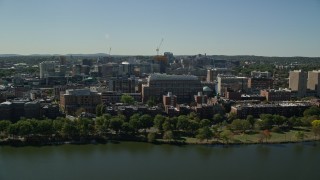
132, 160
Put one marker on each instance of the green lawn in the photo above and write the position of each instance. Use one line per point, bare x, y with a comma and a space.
255, 137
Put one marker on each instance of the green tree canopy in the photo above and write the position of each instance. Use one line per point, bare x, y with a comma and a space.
127, 99
314, 110
158, 121
204, 133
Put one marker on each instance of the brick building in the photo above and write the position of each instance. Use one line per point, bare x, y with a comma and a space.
74, 99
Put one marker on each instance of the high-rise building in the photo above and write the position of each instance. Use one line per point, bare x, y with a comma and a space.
213, 73
169, 56
314, 81
47, 68
298, 82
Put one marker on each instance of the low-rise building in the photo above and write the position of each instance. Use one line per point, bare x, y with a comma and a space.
74, 99
276, 95
287, 109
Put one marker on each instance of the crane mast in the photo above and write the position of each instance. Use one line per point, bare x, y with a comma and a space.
158, 48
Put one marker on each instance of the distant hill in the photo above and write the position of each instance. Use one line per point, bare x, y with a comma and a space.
86, 55
9, 55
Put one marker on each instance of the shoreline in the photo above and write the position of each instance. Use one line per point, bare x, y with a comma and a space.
21, 143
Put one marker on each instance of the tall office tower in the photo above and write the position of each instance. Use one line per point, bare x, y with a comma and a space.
298, 82
47, 68
314, 81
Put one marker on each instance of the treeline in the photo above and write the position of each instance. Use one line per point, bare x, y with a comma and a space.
138, 126
147, 128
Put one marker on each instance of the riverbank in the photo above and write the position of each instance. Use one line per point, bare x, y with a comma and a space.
235, 139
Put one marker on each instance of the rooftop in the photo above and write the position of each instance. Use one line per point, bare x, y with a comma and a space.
158, 76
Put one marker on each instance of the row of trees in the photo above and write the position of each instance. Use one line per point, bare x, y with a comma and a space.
151, 128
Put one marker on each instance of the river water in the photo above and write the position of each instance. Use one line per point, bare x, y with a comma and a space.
133, 160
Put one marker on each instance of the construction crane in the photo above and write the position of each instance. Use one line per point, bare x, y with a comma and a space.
158, 48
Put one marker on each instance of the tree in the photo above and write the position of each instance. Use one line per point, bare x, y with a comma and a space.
193, 117
127, 99
100, 110
265, 134
57, 125
151, 137
85, 127
183, 122
251, 120
168, 135
295, 121
45, 127
4, 125
102, 125
205, 133
146, 121
232, 116
25, 128
69, 129
300, 135
13, 129
205, 123
316, 127
126, 128
193, 126
226, 136
134, 122
217, 118
158, 121
314, 110
240, 125
279, 120
151, 101
265, 122
116, 124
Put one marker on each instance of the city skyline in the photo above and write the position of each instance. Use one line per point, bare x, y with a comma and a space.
266, 28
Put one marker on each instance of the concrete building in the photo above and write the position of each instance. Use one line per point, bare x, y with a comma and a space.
109, 70
169, 56
213, 73
47, 68
314, 81
232, 84
122, 84
74, 99
260, 74
183, 86
298, 82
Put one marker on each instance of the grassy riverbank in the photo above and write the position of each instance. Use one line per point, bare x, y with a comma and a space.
254, 137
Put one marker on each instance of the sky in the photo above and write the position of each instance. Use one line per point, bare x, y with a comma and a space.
136, 27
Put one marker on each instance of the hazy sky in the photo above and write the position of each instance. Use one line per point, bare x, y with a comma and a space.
135, 27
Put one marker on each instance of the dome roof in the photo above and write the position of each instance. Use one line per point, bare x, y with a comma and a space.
206, 89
